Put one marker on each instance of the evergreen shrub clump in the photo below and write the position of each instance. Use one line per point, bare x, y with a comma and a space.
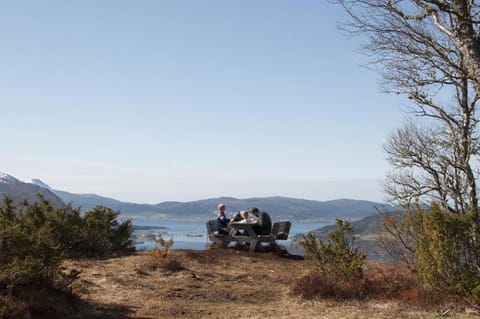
34, 240
336, 266
442, 247
448, 252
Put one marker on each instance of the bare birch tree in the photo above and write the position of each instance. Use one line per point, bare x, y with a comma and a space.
429, 51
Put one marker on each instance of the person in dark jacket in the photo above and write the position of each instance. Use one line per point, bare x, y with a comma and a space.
222, 220
263, 224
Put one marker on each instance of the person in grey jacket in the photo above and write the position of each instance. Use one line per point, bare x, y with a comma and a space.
263, 224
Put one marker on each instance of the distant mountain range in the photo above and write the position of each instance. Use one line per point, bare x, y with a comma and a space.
278, 207
366, 230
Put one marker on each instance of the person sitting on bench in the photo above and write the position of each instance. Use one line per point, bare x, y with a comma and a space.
222, 220
263, 223
240, 217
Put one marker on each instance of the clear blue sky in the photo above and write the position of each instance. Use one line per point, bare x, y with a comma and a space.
149, 101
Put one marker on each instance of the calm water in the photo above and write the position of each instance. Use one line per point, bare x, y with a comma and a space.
193, 234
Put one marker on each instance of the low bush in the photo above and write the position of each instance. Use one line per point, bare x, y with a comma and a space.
34, 240
389, 280
28, 250
316, 284
443, 247
168, 264
395, 281
100, 233
12, 307
336, 266
448, 253
382, 281
337, 270
161, 258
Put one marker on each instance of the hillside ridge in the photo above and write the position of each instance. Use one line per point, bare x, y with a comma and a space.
279, 207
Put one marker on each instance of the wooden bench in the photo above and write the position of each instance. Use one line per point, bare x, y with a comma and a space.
243, 233
215, 236
280, 230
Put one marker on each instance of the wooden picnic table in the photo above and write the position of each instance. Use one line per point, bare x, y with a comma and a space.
243, 233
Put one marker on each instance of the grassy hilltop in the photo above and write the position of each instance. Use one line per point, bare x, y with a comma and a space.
230, 284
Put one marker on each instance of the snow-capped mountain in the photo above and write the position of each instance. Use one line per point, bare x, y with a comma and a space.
40, 183
20, 191
8, 179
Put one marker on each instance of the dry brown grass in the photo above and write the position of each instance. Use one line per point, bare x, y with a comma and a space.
226, 284
389, 280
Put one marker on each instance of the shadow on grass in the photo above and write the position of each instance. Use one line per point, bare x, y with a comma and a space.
47, 304
107, 311
282, 251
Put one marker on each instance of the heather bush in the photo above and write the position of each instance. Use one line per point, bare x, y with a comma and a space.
394, 281
316, 284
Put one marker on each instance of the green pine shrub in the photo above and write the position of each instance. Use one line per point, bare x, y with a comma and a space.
101, 234
35, 238
28, 252
442, 247
448, 253
337, 258
31, 276
336, 266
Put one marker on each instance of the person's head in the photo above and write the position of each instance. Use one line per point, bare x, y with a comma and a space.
244, 214
221, 209
254, 211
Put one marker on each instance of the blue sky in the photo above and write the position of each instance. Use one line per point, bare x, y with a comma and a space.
149, 101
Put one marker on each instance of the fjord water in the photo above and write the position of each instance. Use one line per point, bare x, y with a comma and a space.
193, 234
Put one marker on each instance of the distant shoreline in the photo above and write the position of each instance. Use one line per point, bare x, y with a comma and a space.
147, 227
